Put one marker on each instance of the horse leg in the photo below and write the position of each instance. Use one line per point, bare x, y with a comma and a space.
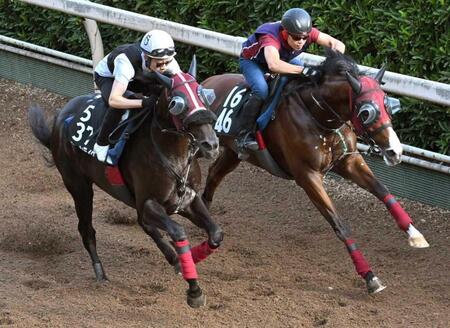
154, 215
356, 169
81, 190
199, 215
164, 246
312, 184
224, 164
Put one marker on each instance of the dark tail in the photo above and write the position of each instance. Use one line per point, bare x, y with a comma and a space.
39, 126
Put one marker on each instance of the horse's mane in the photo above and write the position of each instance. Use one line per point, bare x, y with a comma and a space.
337, 63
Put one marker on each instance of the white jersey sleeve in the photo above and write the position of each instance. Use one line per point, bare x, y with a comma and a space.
123, 69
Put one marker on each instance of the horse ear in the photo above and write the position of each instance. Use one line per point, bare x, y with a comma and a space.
355, 84
380, 74
165, 81
193, 68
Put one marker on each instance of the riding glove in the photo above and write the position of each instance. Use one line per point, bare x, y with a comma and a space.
147, 102
311, 72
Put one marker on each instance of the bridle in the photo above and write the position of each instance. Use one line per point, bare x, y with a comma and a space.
180, 176
366, 134
191, 104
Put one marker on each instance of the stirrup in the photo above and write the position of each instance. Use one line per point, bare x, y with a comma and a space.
246, 142
249, 141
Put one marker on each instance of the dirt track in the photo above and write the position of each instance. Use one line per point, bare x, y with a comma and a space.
280, 265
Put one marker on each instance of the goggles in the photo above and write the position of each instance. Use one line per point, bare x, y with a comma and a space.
162, 52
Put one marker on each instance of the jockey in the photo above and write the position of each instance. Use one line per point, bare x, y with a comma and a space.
127, 68
274, 48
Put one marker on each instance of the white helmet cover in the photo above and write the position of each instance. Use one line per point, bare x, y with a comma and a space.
158, 44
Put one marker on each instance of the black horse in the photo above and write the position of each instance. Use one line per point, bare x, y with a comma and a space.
158, 166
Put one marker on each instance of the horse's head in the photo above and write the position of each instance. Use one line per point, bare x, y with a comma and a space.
368, 107
371, 114
188, 105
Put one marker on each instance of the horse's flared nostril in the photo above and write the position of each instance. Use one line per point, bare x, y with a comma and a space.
209, 145
391, 153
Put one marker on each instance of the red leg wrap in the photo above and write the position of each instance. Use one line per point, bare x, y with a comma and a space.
187, 264
201, 252
401, 217
361, 265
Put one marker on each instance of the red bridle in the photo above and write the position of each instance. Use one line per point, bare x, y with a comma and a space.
373, 97
186, 86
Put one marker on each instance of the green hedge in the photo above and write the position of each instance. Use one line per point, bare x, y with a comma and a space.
410, 37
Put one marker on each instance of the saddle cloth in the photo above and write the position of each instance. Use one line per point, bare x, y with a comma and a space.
229, 119
84, 127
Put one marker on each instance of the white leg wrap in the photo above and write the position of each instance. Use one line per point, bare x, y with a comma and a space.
416, 239
413, 232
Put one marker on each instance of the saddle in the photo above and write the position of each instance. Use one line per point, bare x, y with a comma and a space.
83, 128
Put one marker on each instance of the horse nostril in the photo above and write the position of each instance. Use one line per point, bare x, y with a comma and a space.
207, 145
391, 153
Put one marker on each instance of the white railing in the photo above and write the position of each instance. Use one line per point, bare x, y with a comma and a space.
46, 51
57, 57
404, 85
216, 41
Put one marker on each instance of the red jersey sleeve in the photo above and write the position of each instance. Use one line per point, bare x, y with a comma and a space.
314, 35
269, 40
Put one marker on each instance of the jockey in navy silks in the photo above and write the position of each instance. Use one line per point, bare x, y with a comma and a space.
274, 48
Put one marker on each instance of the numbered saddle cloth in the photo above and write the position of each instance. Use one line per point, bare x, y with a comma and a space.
229, 120
84, 127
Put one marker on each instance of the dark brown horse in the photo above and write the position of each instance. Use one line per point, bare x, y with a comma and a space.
158, 166
311, 135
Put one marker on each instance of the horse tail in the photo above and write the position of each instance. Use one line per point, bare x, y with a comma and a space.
41, 130
39, 126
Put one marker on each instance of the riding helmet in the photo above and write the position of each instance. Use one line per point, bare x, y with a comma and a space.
296, 21
158, 44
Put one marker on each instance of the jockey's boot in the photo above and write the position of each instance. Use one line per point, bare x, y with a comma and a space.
246, 139
101, 147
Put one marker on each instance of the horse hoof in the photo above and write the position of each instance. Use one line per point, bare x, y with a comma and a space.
375, 285
196, 302
418, 242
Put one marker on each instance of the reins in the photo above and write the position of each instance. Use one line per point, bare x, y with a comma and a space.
322, 104
365, 136
142, 115
180, 178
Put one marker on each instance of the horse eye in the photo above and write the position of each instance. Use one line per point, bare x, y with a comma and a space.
206, 95
364, 115
392, 105
368, 113
177, 106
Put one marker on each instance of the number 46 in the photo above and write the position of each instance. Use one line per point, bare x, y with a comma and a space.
224, 121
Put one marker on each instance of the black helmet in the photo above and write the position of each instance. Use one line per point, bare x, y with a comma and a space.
296, 21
